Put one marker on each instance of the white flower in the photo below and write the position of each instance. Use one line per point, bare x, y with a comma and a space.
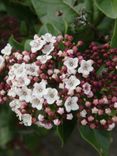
56, 122
111, 127
83, 113
85, 67
44, 58
36, 44
71, 63
7, 50
27, 119
19, 69
2, 62
71, 104
49, 38
48, 49
94, 110
103, 122
44, 124
32, 69
86, 88
51, 95
15, 104
24, 94
37, 103
39, 89
115, 105
18, 114
69, 116
40, 117
72, 82
84, 122
21, 81
12, 92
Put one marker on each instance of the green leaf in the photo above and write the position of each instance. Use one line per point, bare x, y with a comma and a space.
114, 37
5, 135
7, 130
65, 130
27, 45
108, 7
48, 28
99, 139
16, 45
55, 12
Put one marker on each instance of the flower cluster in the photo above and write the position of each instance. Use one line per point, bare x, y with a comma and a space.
55, 81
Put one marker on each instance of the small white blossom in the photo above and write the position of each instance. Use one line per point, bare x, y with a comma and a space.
51, 95
27, 119
85, 67
44, 58
45, 125
72, 82
94, 110
86, 88
115, 105
103, 122
111, 127
24, 94
15, 104
71, 104
40, 117
108, 111
49, 38
69, 116
39, 89
56, 122
37, 103
36, 44
83, 113
2, 62
32, 69
71, 63
48, 49
12, 92
7, 50
84, 122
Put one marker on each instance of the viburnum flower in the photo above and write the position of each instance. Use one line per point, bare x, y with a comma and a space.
72, 82
49, 38
2, 62
71, 103
86, 88
71, 63
27, 119
85, 67
7, 50
36, 44
44, 58
39, 89
37, 102
51, 95
48, 49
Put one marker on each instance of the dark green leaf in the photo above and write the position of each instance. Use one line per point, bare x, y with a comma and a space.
48, 28
65, 130
54, 12
108, 7
99, 139
16, 45
114, 37
27, 45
